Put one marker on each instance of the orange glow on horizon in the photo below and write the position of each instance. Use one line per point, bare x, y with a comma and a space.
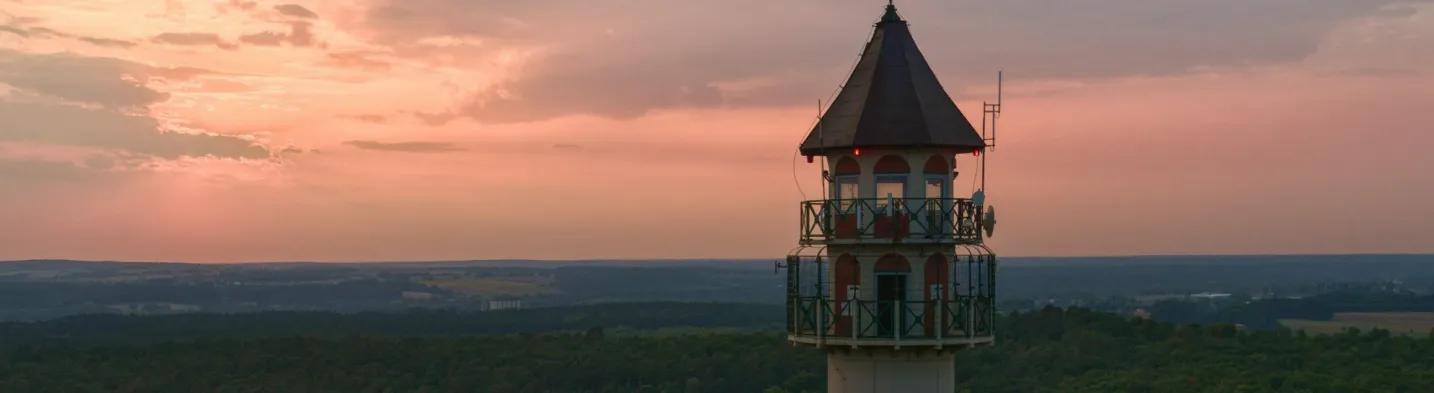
354, 137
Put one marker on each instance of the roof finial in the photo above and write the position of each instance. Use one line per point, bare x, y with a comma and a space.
890, 15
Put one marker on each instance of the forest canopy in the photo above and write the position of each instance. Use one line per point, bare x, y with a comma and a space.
1049, 350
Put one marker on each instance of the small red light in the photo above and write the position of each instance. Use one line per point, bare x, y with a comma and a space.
977, 152
856, 152
809, 159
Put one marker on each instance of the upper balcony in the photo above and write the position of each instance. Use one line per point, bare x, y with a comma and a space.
891, 220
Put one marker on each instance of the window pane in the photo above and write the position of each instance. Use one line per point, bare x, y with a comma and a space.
896, 190
845, 191
935, 189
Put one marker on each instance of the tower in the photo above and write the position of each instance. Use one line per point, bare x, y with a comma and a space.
892, 275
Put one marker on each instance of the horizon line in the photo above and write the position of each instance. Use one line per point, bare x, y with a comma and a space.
692, 259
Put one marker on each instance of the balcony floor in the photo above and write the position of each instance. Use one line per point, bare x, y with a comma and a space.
917, 342
905, 240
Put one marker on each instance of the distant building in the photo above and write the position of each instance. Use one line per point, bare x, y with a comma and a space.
494, 305
1140, 313
413, 295
1210, 295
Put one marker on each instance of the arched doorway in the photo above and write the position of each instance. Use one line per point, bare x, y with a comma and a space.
893, 273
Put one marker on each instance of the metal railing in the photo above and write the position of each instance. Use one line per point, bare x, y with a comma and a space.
937, 220
960, 317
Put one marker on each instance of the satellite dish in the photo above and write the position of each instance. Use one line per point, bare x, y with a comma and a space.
989, 223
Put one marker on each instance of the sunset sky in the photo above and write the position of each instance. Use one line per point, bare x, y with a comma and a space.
231, 130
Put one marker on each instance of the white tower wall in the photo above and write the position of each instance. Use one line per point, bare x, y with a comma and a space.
890, 371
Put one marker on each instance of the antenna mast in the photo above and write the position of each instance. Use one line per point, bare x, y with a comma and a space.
994, 112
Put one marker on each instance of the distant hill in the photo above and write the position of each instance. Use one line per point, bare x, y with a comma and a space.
39, 289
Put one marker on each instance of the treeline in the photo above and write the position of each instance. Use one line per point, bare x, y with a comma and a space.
1347, 301
1267, 313
1099, 277
128, 329
48, 289
27, 300
1262, 314
1049, 350
595, 284
170, 288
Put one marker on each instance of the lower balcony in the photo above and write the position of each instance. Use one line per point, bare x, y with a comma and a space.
821, 321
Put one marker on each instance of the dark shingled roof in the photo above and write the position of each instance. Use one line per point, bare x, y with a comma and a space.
892, 99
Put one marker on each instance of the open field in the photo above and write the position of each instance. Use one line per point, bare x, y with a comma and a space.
492, 287
1418, 323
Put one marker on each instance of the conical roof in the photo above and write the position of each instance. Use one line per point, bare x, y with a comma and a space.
892, 99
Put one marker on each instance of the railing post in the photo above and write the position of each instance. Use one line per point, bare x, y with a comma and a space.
827, 228
956, 208
855, 318
861, 220
891, 215
824, 219
795, 315
955, 217
807, 314
991, 289
976, 219
970, 317
806, 222
821, 319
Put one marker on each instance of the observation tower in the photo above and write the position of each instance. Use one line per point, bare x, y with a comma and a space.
891, 276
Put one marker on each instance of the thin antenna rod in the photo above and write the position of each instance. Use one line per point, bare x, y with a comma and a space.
822, 141
999, 79
981, 163
995, 111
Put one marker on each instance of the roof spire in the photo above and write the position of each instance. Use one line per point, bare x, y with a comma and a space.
892, 99
890, 15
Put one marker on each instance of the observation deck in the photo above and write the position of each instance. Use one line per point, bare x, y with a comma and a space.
891, 220
947, 301
962, 321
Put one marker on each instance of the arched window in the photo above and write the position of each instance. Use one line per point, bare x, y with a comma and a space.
846, 175
892, 263
936, 165
891, 164
891, 173
937, 177
846, 166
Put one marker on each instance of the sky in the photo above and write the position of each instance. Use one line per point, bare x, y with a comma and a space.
366, 130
